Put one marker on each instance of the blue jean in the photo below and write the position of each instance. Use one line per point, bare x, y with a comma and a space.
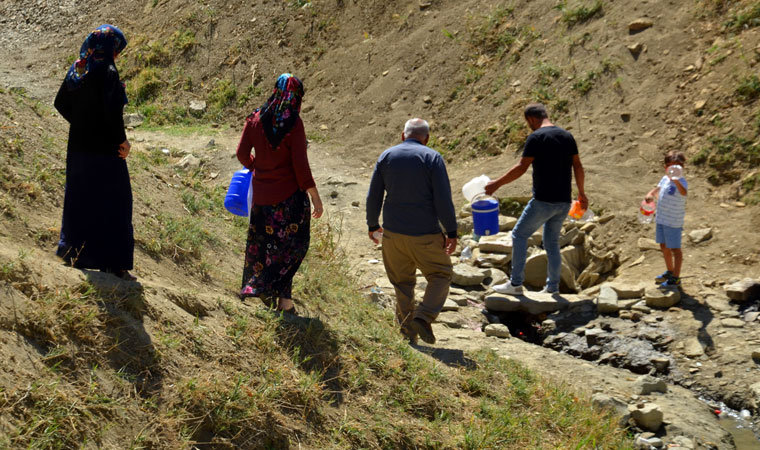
535, 214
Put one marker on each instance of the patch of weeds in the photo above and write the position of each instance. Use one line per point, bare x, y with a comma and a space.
251, 92
579, 14
473, 74
547, 73
448, 34
183, 40
145, 86
584, 84
727, 155
747, 18
222, 95
748, 89
179, 238
494, 35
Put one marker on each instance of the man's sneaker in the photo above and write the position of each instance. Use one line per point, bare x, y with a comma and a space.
424, 330
507, 288
672, 282
546, 290
665, 276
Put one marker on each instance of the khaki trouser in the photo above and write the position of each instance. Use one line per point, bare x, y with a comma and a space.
402, 255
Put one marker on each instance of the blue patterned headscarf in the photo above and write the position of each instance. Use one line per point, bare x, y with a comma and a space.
280, 113
97, 52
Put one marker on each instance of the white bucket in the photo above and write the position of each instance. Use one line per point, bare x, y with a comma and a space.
475, 187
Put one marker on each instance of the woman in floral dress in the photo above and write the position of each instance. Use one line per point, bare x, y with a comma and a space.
278, 234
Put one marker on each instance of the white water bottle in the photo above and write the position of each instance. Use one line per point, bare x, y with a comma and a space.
675, 171
378, 235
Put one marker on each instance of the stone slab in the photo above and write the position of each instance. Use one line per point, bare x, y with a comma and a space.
535, 302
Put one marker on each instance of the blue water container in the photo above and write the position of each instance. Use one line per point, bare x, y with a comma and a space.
237, 198
485, 215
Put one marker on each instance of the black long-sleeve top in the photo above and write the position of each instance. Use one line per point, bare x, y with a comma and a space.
94, 111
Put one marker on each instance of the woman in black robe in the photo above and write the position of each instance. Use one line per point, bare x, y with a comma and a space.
96, 230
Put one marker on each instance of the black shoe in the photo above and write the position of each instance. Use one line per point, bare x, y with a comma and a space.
424, 330
409, 335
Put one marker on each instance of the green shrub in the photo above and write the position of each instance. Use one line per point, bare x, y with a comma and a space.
183, 40
579, 14
222, 95
145, 86
747, 18
749, 88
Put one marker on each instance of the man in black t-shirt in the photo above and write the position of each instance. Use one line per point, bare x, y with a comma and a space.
554, 156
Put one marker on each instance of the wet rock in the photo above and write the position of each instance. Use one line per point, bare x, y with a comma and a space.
743, 290
594, 336
606, 303
497, 330
466, 275
661, 364
619, 407
648, 244
648, 416
700, 235
646, 384
640, 25
693, 348
497, 243
659, 298
732, 323
755, 391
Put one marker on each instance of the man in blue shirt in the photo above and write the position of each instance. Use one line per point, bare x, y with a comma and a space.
415, 184
553, 154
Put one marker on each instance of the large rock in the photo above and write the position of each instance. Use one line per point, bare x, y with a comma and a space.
625, 291
755, 390
693, 348
197, 107
494, 259
648, 244
188, 162
535, 273
732, 322
497, 330
535, 302
607, 302
646, 384
497, 243
619, 407
506, 223
575, 257
133, 120
743, 290
700, 235
662, 298
497, 277
466, 275
647, 416
574, 236
465, 225
640, 25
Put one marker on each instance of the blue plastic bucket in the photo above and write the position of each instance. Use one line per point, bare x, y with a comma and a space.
236, 200
485, 216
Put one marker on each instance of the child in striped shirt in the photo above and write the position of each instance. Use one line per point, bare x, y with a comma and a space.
671, 209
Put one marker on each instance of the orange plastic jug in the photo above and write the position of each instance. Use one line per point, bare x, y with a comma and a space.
576, 210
